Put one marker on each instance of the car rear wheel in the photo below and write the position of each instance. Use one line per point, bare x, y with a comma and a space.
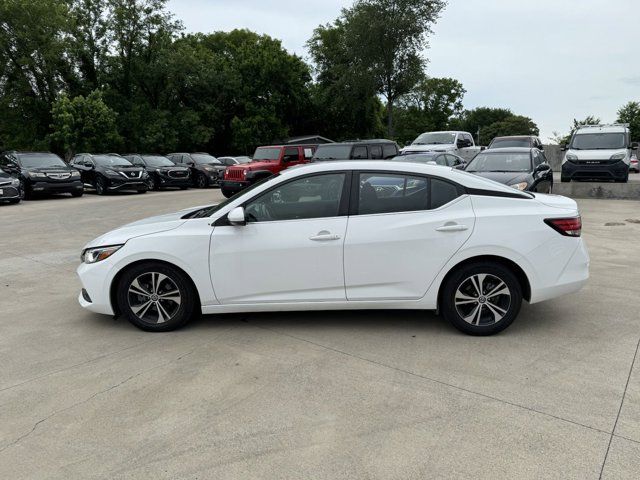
156, 297
481, 298
101, 186
25, 193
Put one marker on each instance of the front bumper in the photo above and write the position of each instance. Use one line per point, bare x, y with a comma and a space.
234, 185
9, 192
115, 184
166, 181
56, 187
580, 170
96, 285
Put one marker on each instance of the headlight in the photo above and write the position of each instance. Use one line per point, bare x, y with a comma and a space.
37, 175
519, 186
618, 156
571, 156
245, 173
75, 174
111, 172
144, 174
97, 254
15, 182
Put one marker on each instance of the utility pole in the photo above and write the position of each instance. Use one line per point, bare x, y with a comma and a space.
478, 137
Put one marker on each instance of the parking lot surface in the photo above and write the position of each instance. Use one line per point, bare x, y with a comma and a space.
376, 394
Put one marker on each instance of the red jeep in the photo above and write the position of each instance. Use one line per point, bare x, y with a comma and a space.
266, 161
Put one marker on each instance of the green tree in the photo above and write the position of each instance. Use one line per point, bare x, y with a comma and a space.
630, 113
565, 139
429, 106
344, 97
84, 124
478, 119
385, 39
513, 125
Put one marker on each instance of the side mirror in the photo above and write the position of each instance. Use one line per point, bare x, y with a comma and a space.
543, 167
634, 145
563, 148
236, 217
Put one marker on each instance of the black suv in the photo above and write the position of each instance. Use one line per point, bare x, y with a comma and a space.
9, 188
206, 170
41, 172
516, 141
108, 172
162, 171
356, 150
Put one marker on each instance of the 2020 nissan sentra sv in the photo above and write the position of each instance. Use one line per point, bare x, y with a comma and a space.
345, 235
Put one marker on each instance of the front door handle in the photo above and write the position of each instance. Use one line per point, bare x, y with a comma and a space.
452, 228
324, 236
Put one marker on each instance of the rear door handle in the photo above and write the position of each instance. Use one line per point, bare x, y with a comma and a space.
452, 228
324, 236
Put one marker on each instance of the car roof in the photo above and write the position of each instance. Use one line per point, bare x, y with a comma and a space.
358, 142
459, 176
515, 137
509, 150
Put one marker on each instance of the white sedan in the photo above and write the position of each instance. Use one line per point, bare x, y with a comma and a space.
344, 235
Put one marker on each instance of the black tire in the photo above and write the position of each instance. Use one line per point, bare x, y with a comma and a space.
101, 186
564, 179
623, 180
227, 193
13, 201
147, 318
151, 183
183, 188
25, 192
200, 181
77, 194
142, 191
482, 314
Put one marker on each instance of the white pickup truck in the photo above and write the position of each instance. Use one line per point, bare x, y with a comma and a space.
458, 143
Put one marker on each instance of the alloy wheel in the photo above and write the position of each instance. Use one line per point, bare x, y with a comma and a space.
154, 297
482, 299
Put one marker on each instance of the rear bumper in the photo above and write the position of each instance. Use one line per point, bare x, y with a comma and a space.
56, 187
585, 171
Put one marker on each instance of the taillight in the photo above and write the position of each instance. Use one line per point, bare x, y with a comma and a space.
570, 227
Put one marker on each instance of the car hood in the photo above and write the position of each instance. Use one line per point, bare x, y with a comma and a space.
147, 226
596, 154
507, 178
61, 168
429, 148
254, 166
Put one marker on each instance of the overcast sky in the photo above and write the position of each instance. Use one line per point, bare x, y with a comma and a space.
551, 60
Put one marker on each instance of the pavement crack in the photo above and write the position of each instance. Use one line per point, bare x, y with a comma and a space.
440, 382
624, 394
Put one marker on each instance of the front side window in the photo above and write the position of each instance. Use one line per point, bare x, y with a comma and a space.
291, 154
332, 152
387, 193
316, 196
389, 151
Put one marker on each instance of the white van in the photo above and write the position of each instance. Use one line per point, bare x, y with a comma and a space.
598, 152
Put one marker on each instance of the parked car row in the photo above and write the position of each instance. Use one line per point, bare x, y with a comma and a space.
26, 174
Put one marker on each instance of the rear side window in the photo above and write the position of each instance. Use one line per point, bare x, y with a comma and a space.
376, 152
442, 192
387, 193
359, 152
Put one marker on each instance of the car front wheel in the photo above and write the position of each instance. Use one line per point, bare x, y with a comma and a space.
156, 297
101, 186
200, 181
481, 298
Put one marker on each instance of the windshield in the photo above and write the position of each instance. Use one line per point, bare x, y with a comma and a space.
510, 143
110, 161
41, 160
266, 154
599, 141
332, 152
415, 158
500, 162
205, 159
208, 211
157, 161
441, 138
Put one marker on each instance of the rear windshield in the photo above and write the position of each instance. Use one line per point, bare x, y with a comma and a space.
511, 143
40, 160
500, 162
599, 141
266, 154
110, 161
332, 152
